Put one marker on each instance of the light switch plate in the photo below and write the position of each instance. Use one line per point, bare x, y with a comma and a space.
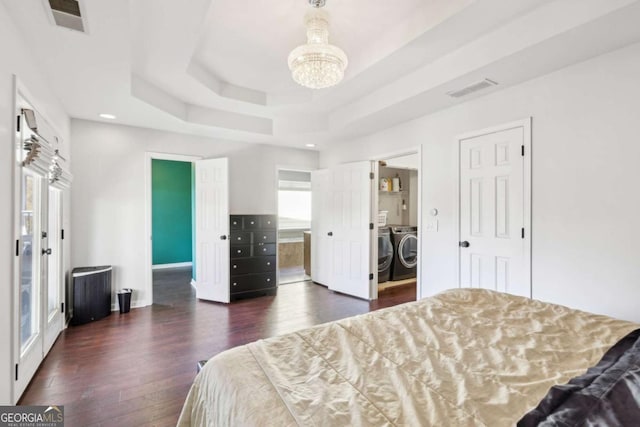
432, 225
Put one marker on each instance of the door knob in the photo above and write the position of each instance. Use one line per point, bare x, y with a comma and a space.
464, 244
223, 237
46, 251
330, 233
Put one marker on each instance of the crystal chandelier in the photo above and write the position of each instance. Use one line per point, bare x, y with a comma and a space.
317, 64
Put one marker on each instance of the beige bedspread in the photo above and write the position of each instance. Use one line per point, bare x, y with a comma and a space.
465, 357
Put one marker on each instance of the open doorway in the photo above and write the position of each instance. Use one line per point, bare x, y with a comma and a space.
294, 226
398, 217
172, 229
170, 224
349, 253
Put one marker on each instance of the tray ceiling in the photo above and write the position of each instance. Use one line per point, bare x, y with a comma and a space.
218, 68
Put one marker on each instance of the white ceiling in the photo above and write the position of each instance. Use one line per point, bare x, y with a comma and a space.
263, 32
218, 67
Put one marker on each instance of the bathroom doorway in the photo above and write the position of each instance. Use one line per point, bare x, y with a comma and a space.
294, 226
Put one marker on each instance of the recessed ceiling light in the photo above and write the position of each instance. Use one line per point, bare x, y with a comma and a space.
310, 145
107, 116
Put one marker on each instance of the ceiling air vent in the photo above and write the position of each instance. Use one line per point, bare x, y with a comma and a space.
66, 13
474, 87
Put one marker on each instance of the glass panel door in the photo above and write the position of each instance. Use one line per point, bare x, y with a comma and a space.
29, 265
38, 319
32, 270
53, 259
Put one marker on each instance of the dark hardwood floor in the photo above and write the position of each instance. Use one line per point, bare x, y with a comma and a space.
135, 369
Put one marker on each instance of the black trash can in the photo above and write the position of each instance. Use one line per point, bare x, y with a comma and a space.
124, 300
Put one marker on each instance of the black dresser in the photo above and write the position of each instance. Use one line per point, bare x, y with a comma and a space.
253, 244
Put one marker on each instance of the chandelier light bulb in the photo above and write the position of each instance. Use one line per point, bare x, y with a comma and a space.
317, 64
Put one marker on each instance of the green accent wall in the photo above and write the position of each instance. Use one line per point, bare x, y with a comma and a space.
171, 201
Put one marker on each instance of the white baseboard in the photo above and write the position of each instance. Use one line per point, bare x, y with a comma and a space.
134, 304
174, 265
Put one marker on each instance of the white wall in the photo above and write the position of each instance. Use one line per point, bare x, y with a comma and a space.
586, 201
108, 211
15, 60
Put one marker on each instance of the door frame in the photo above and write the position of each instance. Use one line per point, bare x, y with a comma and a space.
420, 291
526, 125
148, 245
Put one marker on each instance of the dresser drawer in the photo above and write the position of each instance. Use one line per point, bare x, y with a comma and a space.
240, 251
240, 237
264, 237
263, 264
251, 222
269, 222
250, 282
235, 222
241, 266
264, 249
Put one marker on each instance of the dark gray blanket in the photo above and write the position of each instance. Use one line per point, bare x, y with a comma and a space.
608, 394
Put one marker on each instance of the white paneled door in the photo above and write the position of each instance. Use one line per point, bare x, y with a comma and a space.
492, 244
212, 229
341, 229
321, 214
350, 231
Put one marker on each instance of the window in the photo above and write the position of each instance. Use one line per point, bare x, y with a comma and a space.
294, 200
30, 264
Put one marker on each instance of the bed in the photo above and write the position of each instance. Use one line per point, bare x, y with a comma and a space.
465, 357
